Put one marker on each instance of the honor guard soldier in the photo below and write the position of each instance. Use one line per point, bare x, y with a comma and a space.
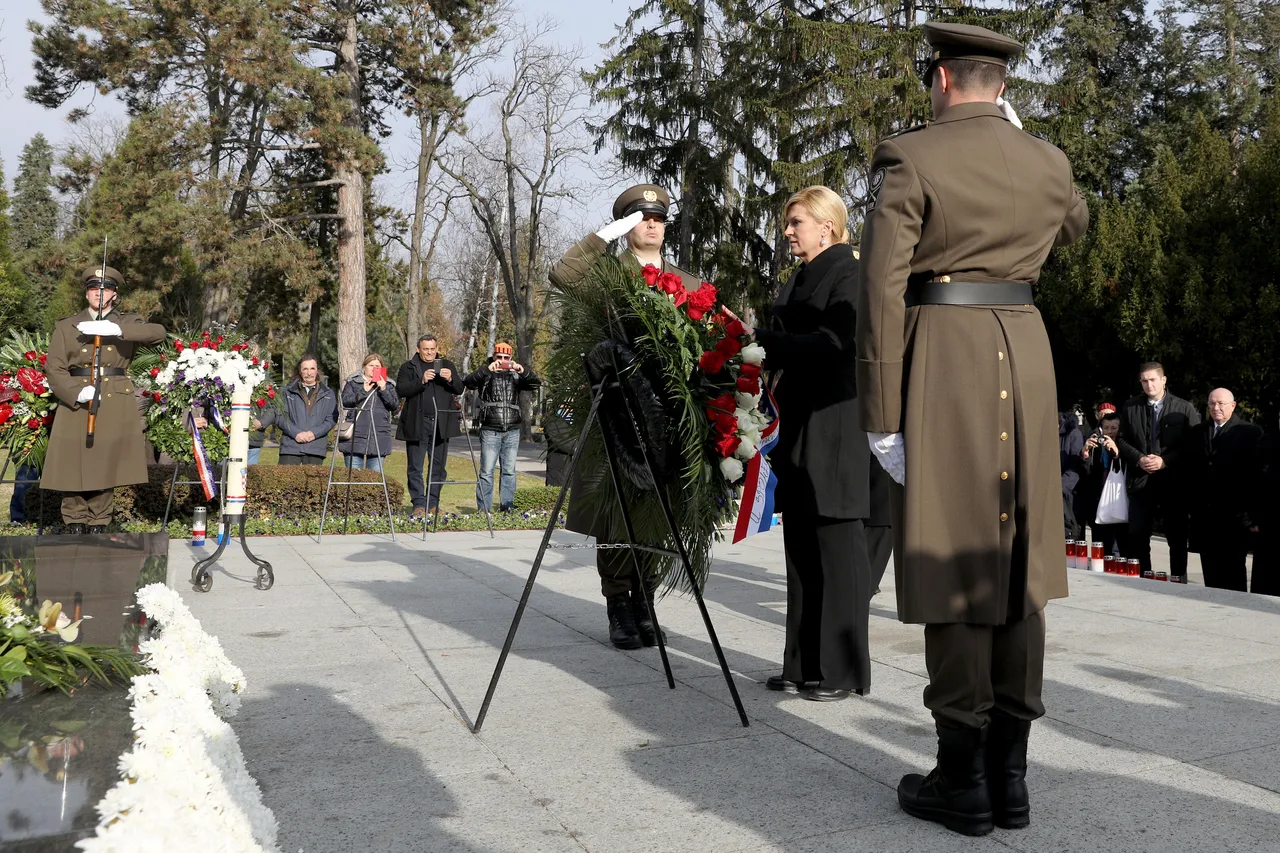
956, 392
640, 214
89, 358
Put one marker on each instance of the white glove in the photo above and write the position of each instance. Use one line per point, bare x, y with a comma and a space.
85, 395
105, 328
1009, 113
618, 227
891, 451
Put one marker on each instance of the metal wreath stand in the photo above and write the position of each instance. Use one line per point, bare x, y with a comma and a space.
236, 478
611, 385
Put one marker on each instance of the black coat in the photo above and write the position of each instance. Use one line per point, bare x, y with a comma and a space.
417, 399
1224, 475
371, 425
1089, 489
822, 458
499, 401
1177, 417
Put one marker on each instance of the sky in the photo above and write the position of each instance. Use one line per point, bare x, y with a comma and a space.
588, 24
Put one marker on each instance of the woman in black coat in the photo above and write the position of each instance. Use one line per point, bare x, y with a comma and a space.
822, 458
370, 420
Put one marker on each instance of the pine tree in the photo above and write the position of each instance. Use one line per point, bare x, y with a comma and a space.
35, 212
13, 296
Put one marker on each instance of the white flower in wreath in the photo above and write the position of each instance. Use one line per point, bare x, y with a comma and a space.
752, 435
746, 448
746, 401
731, 469
753, 354
744, 419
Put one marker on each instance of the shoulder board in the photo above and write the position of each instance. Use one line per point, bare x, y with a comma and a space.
908, 130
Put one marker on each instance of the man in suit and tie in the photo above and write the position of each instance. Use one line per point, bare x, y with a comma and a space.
1153, 433
1224, 458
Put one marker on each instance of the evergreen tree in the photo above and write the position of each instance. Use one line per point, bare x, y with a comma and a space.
35, 211
13, 296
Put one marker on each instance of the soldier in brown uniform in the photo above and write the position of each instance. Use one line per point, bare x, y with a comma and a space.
88, 475
640, 214
956, 392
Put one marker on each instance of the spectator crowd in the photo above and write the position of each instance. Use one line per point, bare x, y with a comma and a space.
1209, 485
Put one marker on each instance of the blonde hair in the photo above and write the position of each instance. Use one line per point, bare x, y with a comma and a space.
822, 204
370, 359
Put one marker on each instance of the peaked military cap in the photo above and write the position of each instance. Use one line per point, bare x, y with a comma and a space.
649, 198
966, 41
109, 276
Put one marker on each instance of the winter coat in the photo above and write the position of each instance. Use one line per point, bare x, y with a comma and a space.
320, 419
371, 433
500, 396
418, 397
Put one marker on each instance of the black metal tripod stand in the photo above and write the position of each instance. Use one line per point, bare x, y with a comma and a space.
611, 385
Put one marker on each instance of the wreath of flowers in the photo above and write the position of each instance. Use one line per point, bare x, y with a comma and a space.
191, 376
704, 369
27, 403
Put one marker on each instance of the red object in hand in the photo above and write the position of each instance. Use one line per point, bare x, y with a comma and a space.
379, 374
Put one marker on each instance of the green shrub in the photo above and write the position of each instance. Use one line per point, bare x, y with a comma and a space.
537, 497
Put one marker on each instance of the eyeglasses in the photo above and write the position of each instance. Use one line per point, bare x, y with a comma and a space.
503, 357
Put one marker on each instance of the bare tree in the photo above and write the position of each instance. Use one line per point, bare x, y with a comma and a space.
516, 173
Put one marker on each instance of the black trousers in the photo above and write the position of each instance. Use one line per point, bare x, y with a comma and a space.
617, 572
300, 459
1145, 506
1266, 561
1114, 537
975, 669
1224, 547
879, 550
416, 451
828, 602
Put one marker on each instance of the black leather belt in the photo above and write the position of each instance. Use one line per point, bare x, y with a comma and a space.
106, 371
969, 293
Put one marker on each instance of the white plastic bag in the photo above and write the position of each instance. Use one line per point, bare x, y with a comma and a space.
1113, 506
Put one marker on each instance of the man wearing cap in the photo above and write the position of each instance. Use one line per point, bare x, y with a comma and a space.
500, 383
956, 392
640, 214
85, 471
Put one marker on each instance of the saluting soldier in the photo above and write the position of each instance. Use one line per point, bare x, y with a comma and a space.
88, 475
956, 391
640, 214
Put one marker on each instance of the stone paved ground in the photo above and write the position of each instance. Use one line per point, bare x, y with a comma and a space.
369, 658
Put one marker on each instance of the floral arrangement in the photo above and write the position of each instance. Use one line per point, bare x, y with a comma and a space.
184, 786
26, 402
192, 376
705, 374
37, 642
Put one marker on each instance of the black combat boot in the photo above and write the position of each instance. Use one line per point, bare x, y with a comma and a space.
622, 625
1007, 770
644, 624
955, 792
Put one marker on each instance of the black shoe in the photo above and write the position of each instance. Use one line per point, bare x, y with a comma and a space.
622, 625
1007, 771
506, 508
954, 793
784, 685
825, 694
97, 528
73, 529
644, 625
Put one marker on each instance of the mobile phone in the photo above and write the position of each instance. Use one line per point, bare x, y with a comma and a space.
379, 374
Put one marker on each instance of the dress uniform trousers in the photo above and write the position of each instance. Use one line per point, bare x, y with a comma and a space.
616, 569
87, 507
974, 669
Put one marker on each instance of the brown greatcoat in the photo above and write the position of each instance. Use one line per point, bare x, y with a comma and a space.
573, 267
978, 523
117, 457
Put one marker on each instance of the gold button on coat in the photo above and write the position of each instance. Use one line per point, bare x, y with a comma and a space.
1001, 355
1004, 436
1004, 394
1004, 475
1004, 516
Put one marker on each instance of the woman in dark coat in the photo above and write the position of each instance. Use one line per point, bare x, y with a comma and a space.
310, 414
822, 459
370, 421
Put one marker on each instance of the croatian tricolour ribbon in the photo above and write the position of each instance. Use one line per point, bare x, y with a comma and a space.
203, 465
755, 512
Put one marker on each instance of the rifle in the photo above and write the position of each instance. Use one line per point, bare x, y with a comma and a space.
97, 355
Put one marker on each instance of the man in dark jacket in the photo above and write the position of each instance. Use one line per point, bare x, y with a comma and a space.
1225, 466
1070, 444
500, 383
429, 386
1153, 432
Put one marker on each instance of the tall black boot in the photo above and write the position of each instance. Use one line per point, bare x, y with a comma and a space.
1007, 770
644, 624
954, 793
622, 625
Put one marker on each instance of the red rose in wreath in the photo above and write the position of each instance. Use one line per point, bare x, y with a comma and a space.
727, 444
669, 282
711, 362
31, 380
271, 393
155, 395
751, 371
32, 423
179, 346
747, 385
728, 348
680, 297
43, 358
723, 423
6, 412
735, 329
46, 420
262, 403
155, 371
651, 274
